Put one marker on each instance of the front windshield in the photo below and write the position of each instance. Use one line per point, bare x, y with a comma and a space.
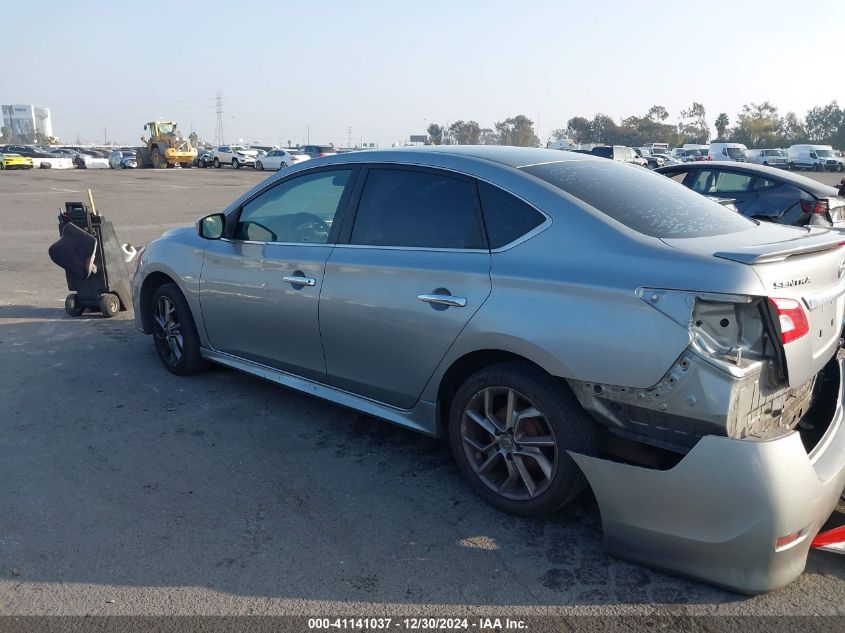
237, 148
735, 152
825, 153
166, 128
771, 152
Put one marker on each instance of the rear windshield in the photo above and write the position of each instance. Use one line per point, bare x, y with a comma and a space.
646, 202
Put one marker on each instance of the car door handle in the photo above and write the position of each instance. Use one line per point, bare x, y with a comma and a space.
444, 300
297, 280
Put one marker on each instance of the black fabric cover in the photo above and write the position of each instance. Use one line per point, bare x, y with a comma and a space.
75, 251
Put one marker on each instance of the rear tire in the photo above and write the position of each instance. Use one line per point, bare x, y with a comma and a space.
502, 462
259, 166
109, 305
72, 306
174, 332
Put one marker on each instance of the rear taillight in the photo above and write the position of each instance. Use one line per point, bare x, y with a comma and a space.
792, 319
814, 206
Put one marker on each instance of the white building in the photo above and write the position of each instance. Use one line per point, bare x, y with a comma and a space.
26, 120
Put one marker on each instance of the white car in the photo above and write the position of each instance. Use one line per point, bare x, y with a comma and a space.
234, 155
280, 158
94, 162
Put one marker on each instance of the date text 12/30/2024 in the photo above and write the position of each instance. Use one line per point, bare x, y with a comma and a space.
416, 624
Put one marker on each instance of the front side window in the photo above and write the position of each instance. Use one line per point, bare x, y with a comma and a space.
731, 182
420, 209
301, 210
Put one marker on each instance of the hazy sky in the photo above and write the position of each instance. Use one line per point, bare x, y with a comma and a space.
387, 68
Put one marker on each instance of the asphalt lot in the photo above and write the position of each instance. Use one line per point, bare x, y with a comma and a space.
126, 490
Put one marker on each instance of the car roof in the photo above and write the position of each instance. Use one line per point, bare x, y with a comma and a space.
773, 173
502, 154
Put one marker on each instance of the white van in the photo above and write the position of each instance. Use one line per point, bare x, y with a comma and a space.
656, 148
728, 151
772, 157
815, 157
562, 143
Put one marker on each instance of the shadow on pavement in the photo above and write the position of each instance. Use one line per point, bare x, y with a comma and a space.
116, 472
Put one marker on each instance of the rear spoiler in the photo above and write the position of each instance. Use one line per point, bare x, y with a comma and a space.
813, 242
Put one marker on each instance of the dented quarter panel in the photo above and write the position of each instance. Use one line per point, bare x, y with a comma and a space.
717, 514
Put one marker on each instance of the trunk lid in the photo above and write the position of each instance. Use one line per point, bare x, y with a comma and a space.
804, 264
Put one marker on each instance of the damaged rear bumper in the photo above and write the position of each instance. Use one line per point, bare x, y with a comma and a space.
718, 514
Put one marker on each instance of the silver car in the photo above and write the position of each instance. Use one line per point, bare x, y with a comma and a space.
562, 320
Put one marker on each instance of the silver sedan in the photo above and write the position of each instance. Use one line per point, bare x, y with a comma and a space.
561, 320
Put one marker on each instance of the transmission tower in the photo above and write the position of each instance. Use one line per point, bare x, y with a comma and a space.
218, 131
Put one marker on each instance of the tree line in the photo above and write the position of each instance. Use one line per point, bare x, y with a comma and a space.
756, 125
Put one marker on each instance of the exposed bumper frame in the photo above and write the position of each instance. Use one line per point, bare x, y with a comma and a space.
717, 514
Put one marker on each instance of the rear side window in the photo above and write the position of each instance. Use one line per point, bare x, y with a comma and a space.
417, 209
507, 218
646, 202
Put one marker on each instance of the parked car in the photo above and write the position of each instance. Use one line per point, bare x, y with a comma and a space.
728, 151
92, 159
280, 158
840, 158
10, 160
657, 148
318, 151
688, 154
813, 157
234, 155
123, 159
773, 157
764, 193
619, 153
653, 161
655, 332
205, 158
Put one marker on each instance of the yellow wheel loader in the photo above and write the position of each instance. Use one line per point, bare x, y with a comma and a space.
165, 147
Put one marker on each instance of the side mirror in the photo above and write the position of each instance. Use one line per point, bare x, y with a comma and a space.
211, 226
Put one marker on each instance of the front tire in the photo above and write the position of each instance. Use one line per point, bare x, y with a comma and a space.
174, 332
216, 162
510, 426
235, 163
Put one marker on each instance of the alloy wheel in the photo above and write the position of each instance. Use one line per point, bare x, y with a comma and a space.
168, 330
509, 443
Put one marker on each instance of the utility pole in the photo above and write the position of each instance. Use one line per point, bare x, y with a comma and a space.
308, 134
105, 135
349, 136
219, 136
